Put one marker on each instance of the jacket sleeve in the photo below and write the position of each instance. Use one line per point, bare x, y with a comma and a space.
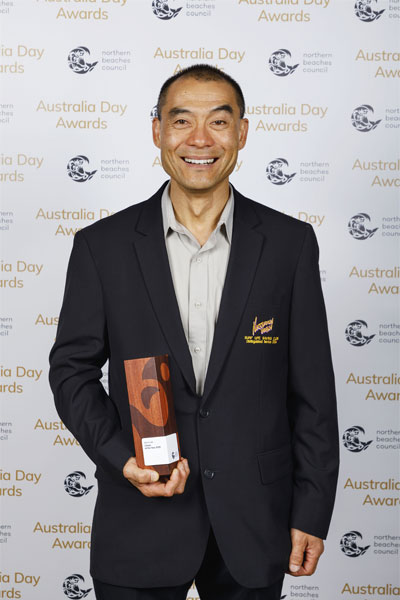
79, 352
311, 398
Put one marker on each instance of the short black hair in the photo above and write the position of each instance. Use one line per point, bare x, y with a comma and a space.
201, 72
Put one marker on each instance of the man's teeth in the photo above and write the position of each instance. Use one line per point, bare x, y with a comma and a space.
194, 161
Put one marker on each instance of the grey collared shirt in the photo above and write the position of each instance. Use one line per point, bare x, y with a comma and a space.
198, 273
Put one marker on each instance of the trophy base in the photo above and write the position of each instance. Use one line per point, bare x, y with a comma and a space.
164, 471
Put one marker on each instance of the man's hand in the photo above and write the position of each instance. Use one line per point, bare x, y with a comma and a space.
146, 480
306, 550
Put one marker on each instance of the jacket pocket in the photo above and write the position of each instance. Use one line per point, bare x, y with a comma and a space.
275, 464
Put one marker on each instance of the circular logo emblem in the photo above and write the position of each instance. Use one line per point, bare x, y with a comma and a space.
275, 172
277, 63
78, 60
364, 11
154, 113
163, 11
72, 587
355, 333
73, 485
351, 439
361, 118
76, 169
349, 544
358, 229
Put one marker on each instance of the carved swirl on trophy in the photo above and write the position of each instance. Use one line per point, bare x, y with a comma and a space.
152, 383
151, 387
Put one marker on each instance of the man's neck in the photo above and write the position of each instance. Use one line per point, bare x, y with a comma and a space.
199, 212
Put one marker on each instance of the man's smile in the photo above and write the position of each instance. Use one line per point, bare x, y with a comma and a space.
199, 162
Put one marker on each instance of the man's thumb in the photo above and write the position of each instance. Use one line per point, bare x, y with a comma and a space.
145, 475
296, 559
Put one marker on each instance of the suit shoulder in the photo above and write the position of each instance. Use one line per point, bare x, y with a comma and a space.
272, 219
122, 221
121, 224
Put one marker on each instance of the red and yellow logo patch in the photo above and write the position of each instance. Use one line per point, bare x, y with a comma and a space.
260, 328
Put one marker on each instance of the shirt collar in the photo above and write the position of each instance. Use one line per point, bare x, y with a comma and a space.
170, 222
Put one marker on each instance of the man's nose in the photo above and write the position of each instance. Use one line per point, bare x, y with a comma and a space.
200, 137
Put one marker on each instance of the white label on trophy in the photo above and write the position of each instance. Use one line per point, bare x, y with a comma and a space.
161, 450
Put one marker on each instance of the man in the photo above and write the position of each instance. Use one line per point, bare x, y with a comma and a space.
230, 290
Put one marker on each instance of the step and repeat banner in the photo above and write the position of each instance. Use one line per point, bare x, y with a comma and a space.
79, 81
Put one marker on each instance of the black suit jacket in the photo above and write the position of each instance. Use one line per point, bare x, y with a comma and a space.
263, 458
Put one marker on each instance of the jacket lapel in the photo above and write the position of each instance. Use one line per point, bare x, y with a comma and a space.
152, 255
242, 265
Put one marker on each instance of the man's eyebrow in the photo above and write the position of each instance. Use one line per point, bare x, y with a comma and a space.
227, 107
178, 111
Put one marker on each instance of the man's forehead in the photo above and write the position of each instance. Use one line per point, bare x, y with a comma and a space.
200, 93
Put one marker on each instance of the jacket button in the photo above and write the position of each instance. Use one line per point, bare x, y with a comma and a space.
204, 412
208, 473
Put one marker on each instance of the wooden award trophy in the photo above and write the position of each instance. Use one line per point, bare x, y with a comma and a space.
152, 414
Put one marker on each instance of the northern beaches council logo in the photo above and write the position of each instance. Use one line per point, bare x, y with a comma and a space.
361, 118
76, 169
73, 484
364, 10
349, 544
351, 439
162, 10
358, 227
277, 63
355, 333
73, 587
275, 172
78, 60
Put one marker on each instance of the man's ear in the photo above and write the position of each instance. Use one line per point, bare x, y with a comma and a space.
244, 128
156, 126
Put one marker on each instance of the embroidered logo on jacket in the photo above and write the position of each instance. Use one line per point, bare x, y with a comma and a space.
258, 333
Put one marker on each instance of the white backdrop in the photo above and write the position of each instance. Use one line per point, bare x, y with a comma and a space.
79, 79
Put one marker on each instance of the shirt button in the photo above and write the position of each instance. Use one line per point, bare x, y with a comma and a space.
204, 412
197, 349
198, 259
208, 473
197, 304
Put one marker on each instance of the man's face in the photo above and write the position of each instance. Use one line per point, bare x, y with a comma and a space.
200, 121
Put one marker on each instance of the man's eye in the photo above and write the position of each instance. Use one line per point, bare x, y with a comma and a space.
180, 122
219, 122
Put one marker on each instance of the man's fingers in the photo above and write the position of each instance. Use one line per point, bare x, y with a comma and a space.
312, 555
152, 490
177, 481
142, 479
167, 490
297, 557
306, 550
306, 569
184, 474
310, 566
158, 488
300, 573
142, 476
172, 483
136, 475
